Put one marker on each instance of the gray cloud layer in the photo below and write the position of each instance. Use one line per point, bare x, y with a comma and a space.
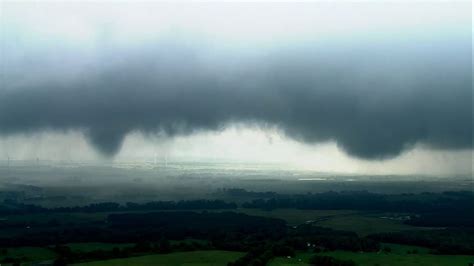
375, 98
373, 103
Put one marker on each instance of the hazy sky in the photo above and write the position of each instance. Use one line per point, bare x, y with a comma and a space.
369, 87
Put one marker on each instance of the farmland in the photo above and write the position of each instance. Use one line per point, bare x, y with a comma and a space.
400, 255
202, 258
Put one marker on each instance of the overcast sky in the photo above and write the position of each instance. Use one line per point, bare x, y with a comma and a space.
363, 87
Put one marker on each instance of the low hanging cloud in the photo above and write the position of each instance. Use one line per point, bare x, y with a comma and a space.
375, 98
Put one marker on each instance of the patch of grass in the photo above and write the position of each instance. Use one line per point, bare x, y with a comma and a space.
195, 258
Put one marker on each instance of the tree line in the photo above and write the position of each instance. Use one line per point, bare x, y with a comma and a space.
10, 207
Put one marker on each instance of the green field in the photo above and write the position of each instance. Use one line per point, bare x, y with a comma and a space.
346, 220
397, 257
365, 224
295, 216
195, 258
29, 253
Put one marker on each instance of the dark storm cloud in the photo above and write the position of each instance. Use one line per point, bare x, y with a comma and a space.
374, 100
